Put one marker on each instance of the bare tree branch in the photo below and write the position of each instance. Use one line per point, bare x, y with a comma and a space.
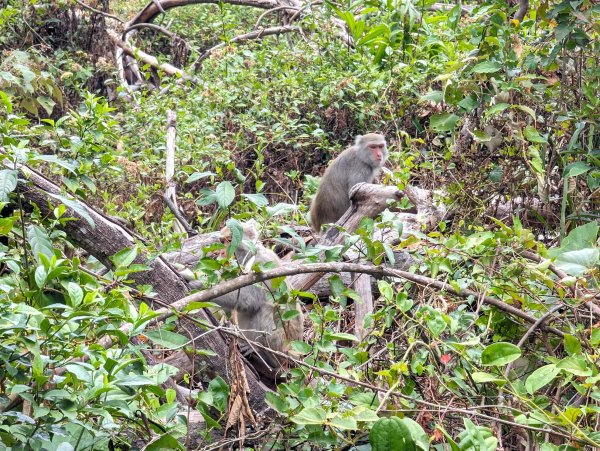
97, 11
522, 11
148, 59
151, 10
257, 34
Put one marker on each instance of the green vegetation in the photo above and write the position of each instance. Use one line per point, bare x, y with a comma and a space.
488, 110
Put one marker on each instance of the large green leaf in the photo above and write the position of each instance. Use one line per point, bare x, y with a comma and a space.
224, 194
167, 339
533, 135
443, 122
487, 67
577, 263
499, 354
40, 242
8, 183
541, 377
76, 206
310, 415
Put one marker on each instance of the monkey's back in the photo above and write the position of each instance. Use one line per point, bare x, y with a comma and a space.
332, 199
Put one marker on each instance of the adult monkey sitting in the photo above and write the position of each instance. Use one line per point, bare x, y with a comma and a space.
361, 162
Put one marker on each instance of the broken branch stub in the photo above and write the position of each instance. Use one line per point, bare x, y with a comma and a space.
366, 200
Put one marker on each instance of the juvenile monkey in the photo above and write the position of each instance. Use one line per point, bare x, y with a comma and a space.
361, 162
258, 317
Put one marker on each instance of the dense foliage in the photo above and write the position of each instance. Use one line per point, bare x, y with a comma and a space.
485, 108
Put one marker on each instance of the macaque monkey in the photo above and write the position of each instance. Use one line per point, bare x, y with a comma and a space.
361, 162
259, 319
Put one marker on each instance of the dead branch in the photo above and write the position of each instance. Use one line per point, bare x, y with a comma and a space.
253, 35
151, 26
151, 10
170, 197
522, 11
364, 307
145, 58
367, 200
97, 11
270, 11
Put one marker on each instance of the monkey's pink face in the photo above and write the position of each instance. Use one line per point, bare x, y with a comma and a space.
377, 150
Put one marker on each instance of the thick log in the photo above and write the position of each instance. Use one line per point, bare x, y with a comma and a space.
105, 238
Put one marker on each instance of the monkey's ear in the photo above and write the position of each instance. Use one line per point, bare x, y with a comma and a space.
358, 140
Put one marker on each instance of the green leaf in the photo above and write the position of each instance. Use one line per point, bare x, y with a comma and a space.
541, 377
575, 365
341, 336
76, 206
310, 415
236, 235
433, 96
443, 122
224, 194
281, 209
498, 108
581, 237
487, 67
47, 103
167, 339
482, 377
480, 136
527, 110
391, 434
418, 434
499, 354
8, 183
134, 380
75, 294
572, 344
124, 257
344, 423
577, 168
533, 135
58, 161
39, 242
40, 276
257, 199
164, 442
577, 263
199, 176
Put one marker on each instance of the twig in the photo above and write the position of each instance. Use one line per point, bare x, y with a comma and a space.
561, 274
97, 11
152, 26
269, 11
257, 34
533, 327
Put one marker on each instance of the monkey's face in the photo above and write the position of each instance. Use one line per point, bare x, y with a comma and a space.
378, 152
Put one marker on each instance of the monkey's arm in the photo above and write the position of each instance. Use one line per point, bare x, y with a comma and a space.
246, 300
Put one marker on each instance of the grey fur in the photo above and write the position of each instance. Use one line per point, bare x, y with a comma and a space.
354, 165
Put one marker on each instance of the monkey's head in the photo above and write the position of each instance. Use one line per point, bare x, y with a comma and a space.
372, 148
